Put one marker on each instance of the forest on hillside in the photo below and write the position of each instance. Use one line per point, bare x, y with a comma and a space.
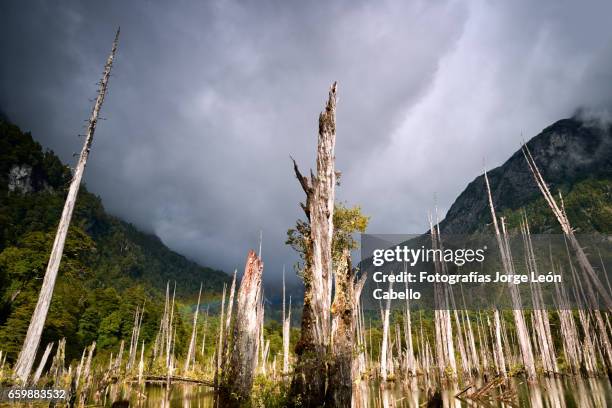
109, 267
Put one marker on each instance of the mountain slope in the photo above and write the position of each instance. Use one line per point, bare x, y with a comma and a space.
108, 267
575, 157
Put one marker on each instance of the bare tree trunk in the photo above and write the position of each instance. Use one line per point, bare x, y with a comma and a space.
384, 348
42, 363
87, 376
57, 366
498, 349
589, 358
204, 330
228, 316
519, 319
410, 365
541, 322
141, 364
359, 364
475, 360
134, 328
483, 341
24, 363
119, 356
286, 329
308, 384
192, 343
79, 370
340, 387
230, 303
219, 351
445, 348
135, 336
160, 342
569, 332
237, 377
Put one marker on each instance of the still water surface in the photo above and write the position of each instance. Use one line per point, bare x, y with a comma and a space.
549, 392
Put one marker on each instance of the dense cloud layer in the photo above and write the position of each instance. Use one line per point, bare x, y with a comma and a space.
209, 99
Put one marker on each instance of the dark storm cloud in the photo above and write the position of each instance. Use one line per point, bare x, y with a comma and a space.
209, 99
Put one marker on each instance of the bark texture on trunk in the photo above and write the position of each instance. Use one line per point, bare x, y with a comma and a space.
340, 387
309, 379
237, 376
24, 363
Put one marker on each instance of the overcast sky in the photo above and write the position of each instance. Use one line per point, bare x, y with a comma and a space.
209, 99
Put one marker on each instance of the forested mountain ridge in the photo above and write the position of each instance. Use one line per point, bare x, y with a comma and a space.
108, 267
575, 158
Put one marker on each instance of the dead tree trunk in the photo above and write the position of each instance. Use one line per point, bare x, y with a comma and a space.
340, 387
519, 319
42, 363
219, 351
204, 330
308, 384
359, 363
541, 323
57, 365
192, 343
237, 377
385, 338
470, 340
24, 363
286, 330
229, 315
445, 348
498, 350
135, 335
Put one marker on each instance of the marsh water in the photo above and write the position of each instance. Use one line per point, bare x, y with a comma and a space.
567, 392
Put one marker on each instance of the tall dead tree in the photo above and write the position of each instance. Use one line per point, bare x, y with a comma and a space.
41, 364
57, 365
445, 347
135, 335
384, 348
308, 384
237, 376
410, 363
340, 388
192, 343
359, 363
24, 363
286, 329
229, 315
219, 351
498, 349
204, 330
517, 312
541, 323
